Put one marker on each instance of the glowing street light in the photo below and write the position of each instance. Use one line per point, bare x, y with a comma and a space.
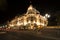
47, 15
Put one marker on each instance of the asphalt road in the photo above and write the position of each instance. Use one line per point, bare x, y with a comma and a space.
29, 35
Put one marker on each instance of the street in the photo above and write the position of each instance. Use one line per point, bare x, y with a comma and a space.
47, 34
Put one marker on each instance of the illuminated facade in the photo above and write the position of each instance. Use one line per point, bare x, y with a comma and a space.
31, 20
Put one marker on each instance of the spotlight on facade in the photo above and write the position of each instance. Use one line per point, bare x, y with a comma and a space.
38, 23
25, 23
18, 24
29, 21
34, 22
42, 24
11, 25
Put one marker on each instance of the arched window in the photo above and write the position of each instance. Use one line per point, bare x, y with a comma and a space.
31, 18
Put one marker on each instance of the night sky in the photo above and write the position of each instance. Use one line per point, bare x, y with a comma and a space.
10, 8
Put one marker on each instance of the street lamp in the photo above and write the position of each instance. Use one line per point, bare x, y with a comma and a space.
47, 15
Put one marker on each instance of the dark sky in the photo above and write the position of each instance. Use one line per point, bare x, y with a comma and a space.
10, 8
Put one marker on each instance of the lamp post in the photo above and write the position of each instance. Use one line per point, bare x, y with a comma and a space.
47, 15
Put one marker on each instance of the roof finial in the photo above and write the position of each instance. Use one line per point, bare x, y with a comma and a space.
30, 7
